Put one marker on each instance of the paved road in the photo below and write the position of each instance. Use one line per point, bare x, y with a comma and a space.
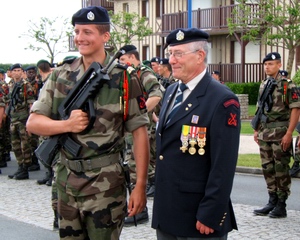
25, 208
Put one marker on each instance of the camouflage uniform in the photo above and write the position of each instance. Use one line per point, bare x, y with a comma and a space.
19, 113
93, 201
5, 145
275, 162
296, 165
153, 89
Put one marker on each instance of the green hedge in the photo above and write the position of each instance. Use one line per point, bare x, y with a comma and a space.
246, 88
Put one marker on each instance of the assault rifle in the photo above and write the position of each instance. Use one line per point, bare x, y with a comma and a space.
265, 102
14, 98
81, 96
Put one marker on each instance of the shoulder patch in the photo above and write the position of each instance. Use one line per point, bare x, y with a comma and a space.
231, 102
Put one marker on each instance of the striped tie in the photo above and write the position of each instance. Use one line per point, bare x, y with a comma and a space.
178, 100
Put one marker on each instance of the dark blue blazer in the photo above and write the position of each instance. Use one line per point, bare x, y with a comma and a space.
197, 187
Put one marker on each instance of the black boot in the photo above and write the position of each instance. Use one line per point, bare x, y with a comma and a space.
48, 175
3, 162
23, 174
20, 169
140, 218
150, 188
280, 210
269, 207
6, 156
35, 166
294, 169
55, 221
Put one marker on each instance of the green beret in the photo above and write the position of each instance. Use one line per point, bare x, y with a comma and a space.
91, 15
185, 35
2, 71
42, 61
272, 56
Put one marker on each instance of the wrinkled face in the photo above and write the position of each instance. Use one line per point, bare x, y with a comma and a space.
272, 67
185, 61
154, 66
88, 39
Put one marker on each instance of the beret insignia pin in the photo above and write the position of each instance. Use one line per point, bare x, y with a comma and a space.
90, 16
180, 36
273, 56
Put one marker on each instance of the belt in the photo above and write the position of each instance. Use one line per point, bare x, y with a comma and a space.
275, 124
82, 165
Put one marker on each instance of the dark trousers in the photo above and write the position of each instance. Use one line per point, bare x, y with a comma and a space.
165, 236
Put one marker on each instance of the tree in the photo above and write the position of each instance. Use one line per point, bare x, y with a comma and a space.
271, 22
126, 26
51, 36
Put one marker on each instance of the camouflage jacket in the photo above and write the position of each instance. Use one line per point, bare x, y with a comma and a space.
20, 105
4, 91
285, 97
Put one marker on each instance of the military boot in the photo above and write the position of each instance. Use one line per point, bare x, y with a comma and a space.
280, 210
35, 166
20, 169
295, 169
2, 162
48, 175
150, 188
23, 174
273, 199
6, 156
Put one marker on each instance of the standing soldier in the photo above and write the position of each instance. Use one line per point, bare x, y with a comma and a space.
274, 134
91, 183
31, 73
154, 93
21, 98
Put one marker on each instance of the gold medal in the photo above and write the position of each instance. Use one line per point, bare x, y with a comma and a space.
185, 130
192, 150
201, 151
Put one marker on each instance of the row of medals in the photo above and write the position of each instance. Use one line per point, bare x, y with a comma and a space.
191, 135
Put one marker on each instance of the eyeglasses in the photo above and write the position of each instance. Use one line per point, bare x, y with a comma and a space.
178, 55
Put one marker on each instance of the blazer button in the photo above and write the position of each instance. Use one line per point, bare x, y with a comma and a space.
161, 157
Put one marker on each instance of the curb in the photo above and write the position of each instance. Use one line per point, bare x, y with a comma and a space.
251, 170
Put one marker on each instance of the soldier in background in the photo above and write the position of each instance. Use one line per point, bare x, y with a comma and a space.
154, 95
18, 110
154, 64
31, 74
275, 137
165, 72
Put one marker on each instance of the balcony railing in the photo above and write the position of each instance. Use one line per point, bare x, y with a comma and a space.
208, 18
232, 72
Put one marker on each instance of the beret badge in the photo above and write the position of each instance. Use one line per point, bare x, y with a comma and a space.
90, 16
179, 36
273, 57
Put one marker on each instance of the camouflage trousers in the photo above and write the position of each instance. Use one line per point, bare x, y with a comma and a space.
130, 157
275, 167
5, 142
20, 142
99, 216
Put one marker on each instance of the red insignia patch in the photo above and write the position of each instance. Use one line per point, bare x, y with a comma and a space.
142, 102
231, 102
232, 121
294, 96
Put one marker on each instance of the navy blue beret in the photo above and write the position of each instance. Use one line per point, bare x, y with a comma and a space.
30, 68
91, 15
284, 73
17, 65
164, 61
216, 72
155, 59
272, 56
185, 35
127, 49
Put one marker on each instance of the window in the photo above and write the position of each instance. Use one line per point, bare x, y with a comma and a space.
145, 8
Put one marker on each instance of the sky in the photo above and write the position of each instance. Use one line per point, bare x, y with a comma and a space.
14, 22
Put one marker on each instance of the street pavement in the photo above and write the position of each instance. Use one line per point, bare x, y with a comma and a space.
28, 202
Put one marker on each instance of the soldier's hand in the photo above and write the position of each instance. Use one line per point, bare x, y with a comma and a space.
78, 121
203, 229
286, 141
137, 201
